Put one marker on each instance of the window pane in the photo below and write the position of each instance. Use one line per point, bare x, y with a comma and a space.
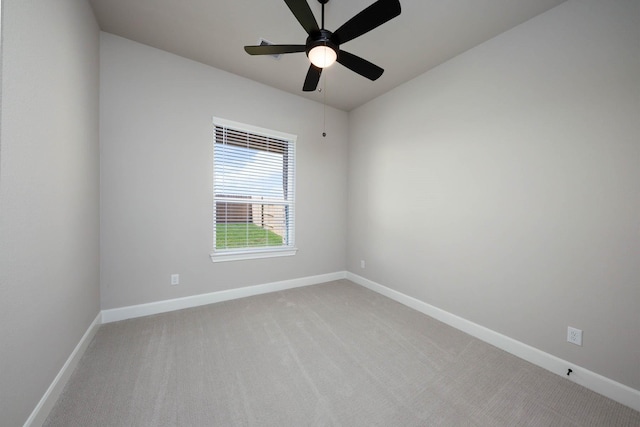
243, 225
248, 172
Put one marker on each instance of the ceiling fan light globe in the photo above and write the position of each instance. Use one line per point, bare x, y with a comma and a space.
322, 56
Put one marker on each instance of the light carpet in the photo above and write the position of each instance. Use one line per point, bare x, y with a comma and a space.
334, 354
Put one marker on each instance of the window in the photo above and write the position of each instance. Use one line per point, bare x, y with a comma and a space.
253, 192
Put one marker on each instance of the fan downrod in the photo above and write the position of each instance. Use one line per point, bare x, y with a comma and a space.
323, 2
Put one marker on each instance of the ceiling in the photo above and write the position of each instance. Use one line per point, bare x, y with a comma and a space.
426, 34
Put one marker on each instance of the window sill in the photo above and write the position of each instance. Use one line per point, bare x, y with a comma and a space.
251, 254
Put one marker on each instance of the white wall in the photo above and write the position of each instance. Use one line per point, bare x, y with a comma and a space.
156, 133
49, 204
504, 185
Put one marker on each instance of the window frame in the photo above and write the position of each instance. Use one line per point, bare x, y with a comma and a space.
257, 252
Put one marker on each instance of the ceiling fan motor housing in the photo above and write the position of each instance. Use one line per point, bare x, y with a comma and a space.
323, 38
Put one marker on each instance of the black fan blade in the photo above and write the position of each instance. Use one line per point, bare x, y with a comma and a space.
359, 65
304, 15
274, 49
312, 79
365, 21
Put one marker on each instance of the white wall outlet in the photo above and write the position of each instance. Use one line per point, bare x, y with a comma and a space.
175, 279
574, 336
362, 263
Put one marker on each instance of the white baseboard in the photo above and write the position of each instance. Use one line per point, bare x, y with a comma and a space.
42, 409
591, 380
133, 311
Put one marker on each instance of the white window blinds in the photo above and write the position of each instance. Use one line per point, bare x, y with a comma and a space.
253, 190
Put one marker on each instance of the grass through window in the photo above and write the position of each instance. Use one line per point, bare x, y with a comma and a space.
229, 236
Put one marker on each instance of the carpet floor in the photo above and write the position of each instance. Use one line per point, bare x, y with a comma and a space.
334, 354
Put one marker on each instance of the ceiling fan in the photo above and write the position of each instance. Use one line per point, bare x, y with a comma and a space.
323, 46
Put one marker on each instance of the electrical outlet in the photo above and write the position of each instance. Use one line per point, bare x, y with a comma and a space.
574, 336
175, 279
362, 263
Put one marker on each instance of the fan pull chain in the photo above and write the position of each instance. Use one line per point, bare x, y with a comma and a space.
324, 106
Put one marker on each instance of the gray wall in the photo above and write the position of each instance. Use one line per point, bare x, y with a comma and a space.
49, 203
504, 185
156, 137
